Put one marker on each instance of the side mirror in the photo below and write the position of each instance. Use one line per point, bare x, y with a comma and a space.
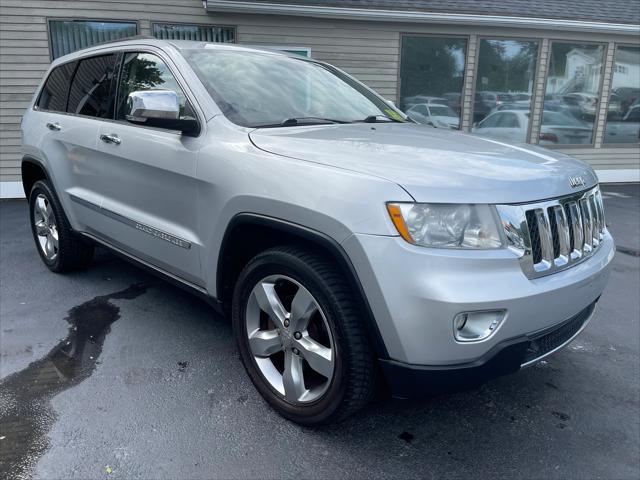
159, 108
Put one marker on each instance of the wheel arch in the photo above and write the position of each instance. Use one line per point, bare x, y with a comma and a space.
32, 170
247, 234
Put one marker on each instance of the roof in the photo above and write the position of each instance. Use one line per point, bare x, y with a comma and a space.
611, 11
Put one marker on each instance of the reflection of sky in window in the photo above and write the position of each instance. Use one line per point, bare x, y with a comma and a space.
458, 56
107, 25
511, 48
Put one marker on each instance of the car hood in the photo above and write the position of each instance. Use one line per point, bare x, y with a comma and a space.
432, 165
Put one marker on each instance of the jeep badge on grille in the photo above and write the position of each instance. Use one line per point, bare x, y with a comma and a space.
576, 182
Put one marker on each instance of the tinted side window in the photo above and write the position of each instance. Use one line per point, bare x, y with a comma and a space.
508, 120
54, 93
491, 121
91, 90
145, 71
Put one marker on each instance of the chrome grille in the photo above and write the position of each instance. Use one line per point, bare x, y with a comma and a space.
553, 235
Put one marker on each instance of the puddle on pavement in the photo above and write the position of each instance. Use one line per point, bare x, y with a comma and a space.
25, 409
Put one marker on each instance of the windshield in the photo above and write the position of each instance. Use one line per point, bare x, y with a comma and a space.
442, 111
255, 89
558, 118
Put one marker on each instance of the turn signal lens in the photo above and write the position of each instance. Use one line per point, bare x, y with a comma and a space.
398, 221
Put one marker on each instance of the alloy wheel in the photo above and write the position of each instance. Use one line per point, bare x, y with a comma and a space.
290, 339
46, 227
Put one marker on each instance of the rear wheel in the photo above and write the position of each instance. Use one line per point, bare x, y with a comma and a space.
299, 332
59, 248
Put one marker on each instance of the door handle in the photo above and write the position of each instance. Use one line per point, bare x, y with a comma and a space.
54, 126
113, 138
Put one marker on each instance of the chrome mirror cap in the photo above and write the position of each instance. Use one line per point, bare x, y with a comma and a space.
156, 104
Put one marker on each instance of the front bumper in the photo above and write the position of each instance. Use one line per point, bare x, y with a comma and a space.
409, 381
415, 293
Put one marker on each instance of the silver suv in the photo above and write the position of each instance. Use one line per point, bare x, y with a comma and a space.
351, 247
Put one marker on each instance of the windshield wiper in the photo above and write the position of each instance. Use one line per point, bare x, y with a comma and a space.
376, 118
299, 121
309, 121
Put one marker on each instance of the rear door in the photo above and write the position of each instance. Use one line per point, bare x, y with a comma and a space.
149, 179
74, 100
90, 102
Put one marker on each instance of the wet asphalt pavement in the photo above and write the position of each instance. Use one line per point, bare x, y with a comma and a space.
113, 373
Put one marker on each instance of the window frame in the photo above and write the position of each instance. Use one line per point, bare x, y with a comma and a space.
116, 74
83, 19
197, 109
476, 62
465, 69
36, 107
196, 24
605, 53
121, 51
603, 144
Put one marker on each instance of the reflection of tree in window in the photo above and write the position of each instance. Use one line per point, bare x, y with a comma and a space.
431, 66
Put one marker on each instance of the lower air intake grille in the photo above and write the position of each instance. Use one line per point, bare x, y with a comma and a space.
549, 340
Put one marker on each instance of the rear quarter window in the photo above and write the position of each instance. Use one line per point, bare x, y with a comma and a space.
53, 96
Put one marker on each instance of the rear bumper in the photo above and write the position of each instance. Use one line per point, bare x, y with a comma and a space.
410, 381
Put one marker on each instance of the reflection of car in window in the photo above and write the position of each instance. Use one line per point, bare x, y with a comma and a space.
556, 128
434, 115
626, 129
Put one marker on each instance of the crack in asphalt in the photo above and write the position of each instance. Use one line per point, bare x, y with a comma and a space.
26, 414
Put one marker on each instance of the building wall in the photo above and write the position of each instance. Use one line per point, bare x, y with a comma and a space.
368, 50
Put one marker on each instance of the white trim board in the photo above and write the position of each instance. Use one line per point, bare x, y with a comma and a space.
628, 175
11, 190
623, 175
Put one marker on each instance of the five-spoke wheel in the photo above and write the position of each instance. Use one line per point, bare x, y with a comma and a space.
45, 226
290, 339
298, 326
60, 248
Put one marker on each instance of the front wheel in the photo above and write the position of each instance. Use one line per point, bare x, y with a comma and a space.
299, 332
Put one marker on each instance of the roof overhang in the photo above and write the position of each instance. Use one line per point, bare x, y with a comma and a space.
370, 14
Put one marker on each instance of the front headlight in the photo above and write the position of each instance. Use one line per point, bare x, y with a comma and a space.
446, 225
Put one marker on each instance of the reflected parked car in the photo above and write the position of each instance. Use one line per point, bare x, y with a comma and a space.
628, 97
435, 115
518, 105
409, 102
454, 101
556, 128
586, 102
625, 131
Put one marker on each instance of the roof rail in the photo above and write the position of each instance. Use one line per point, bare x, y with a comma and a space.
124, 39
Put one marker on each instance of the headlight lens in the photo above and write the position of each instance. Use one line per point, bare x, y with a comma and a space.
446, 225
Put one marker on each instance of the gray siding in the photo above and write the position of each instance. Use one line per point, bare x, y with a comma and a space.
368, 50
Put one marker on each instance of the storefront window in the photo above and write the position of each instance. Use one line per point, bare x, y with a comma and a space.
504, 83
201, 33
70, 35
573, 90
623, 112
431, 79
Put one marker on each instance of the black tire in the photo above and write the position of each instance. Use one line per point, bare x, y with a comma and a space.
354, 381
73, 252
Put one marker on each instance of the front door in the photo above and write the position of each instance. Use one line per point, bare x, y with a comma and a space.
149, 177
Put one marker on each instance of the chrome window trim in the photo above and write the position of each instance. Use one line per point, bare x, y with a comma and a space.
586, 223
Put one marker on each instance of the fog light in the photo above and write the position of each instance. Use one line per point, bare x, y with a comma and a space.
476, 326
